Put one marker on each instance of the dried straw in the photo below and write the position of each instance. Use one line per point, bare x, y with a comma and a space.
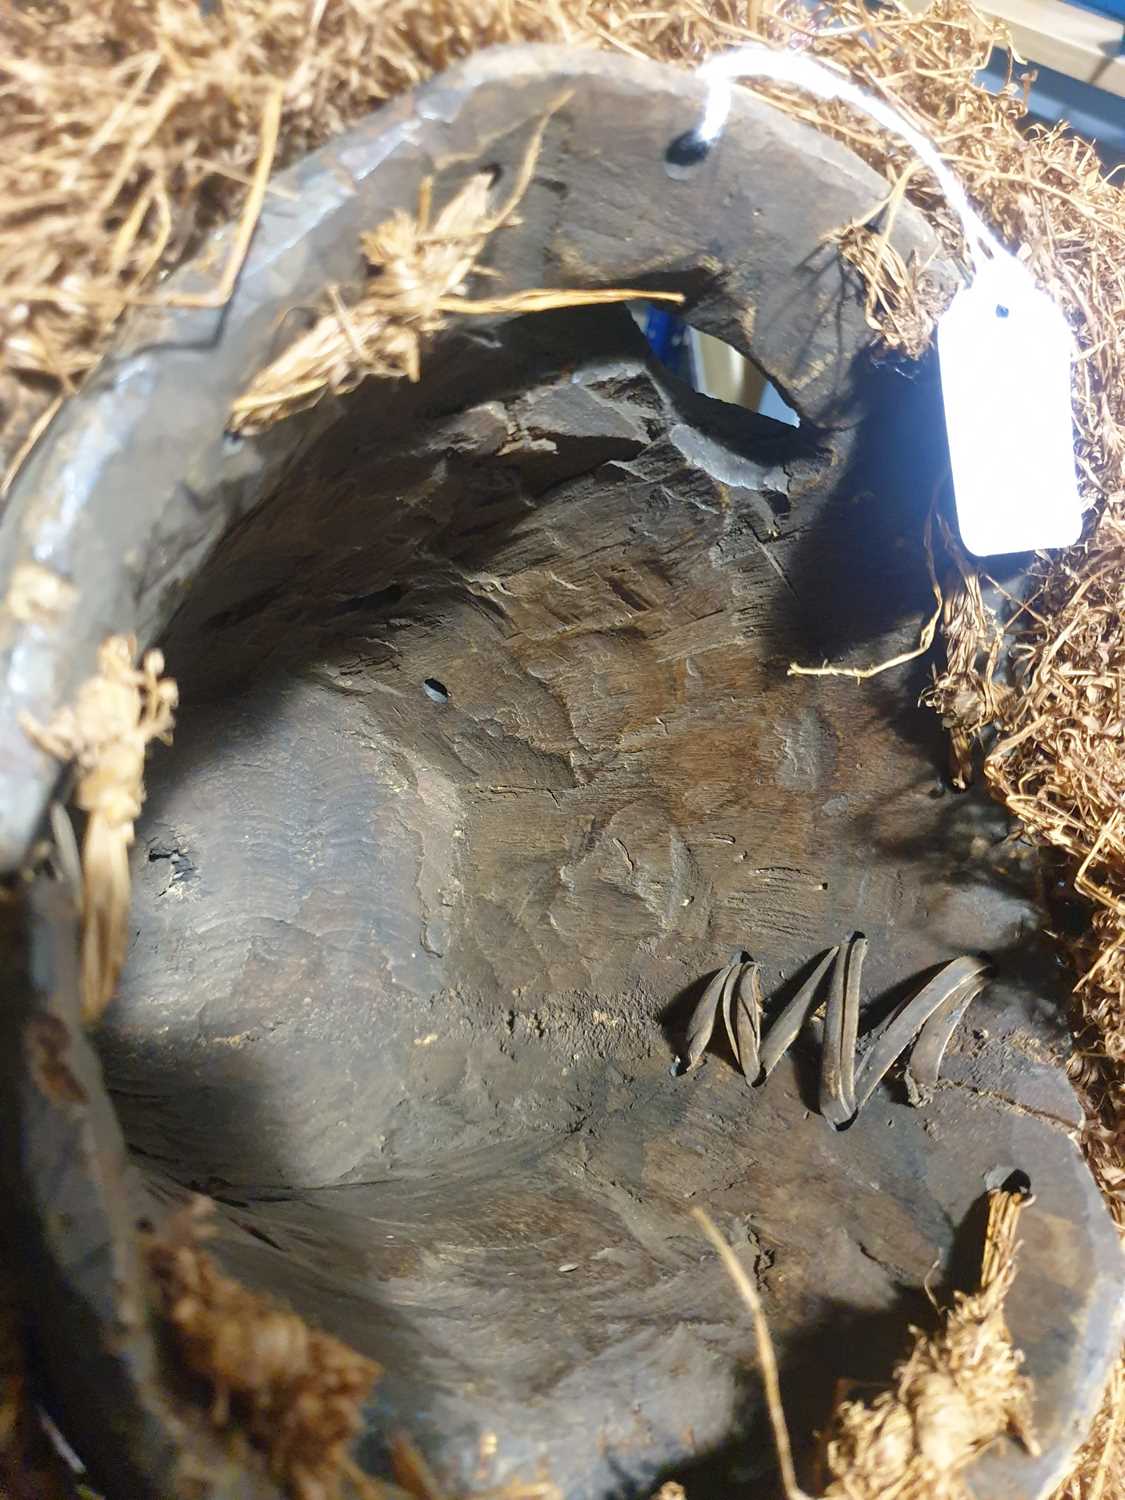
117, 713
1096, 1474
131, 130
956, 1392
1034, 693
420, 269
296, 1393
925, 636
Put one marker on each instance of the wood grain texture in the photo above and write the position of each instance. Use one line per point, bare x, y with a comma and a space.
488, 756
137, 481
433, 954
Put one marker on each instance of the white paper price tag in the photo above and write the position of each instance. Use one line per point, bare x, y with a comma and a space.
1004, 346
1005, 352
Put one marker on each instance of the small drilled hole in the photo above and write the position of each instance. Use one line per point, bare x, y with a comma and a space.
1008, 1180
1001, 310
435, 690
685, 152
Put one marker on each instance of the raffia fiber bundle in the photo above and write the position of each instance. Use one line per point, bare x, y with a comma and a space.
131, 130
118, 712
1031, 695
296, 1393
954, 1394
421, 268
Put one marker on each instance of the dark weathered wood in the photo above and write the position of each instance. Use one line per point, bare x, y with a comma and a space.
433, 941
488, 756
961, 977
70, 1208
136, 482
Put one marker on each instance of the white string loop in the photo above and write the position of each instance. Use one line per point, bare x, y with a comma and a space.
753, 61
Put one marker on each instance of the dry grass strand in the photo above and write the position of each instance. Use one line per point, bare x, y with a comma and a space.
117, 714
130, 131
296, 1393
419, 275
954, 1394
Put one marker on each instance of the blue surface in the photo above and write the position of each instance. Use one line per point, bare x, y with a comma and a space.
667, 337
1115, 8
